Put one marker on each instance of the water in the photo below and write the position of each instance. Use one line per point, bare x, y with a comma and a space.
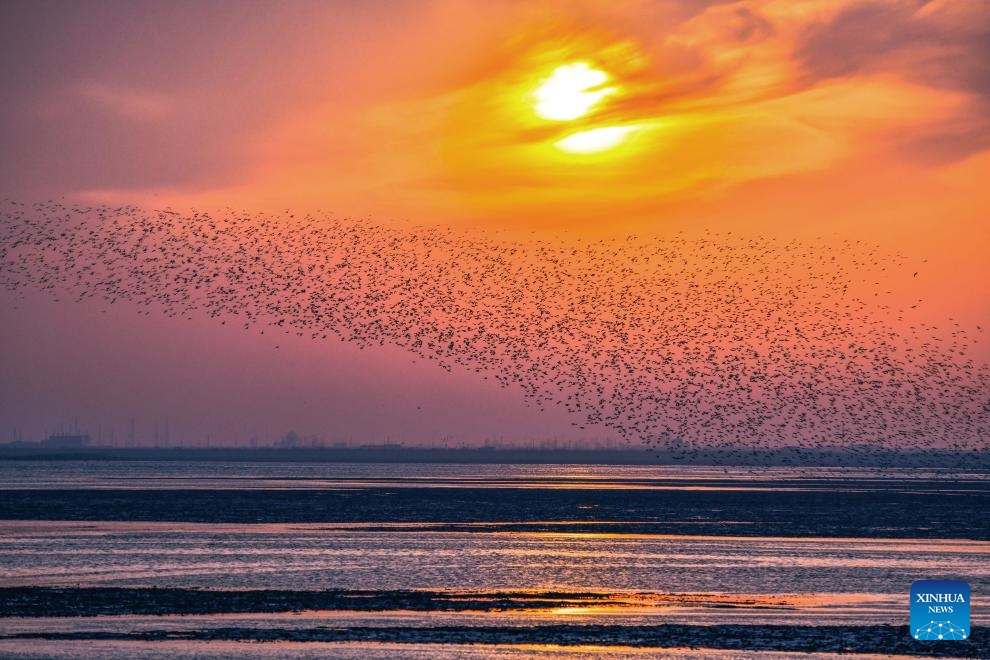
638, 547
313, 556
268, 475
376, 651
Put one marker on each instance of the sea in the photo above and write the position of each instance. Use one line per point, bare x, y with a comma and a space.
212, 559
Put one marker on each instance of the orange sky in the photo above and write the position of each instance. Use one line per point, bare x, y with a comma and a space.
798, 118
437, 123
425, 111
767, 116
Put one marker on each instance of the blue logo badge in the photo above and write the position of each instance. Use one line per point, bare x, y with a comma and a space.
940, 609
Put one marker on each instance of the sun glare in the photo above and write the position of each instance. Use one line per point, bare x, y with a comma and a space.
571, 91
594, 140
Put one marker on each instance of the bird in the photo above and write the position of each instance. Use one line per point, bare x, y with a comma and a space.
680, 342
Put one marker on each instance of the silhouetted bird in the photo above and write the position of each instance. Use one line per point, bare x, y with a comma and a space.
715, 341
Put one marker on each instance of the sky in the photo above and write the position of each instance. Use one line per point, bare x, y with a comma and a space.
792, 118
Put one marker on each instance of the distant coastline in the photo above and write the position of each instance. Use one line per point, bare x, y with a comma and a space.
787, 456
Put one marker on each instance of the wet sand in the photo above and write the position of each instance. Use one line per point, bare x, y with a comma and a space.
442, 561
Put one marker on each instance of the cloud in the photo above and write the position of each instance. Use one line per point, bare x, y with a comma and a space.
944, 45
425, 104
125, 103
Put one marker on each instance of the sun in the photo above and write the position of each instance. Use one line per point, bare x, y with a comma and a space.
571, 91
595, 139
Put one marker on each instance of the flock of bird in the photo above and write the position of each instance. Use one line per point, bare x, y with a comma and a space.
709, 341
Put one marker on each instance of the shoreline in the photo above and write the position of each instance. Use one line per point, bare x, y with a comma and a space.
788, 457
883, 639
